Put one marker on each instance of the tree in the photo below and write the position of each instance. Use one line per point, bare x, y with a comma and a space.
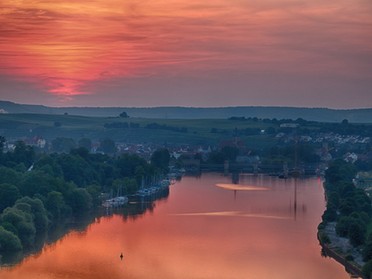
20, 217
367, 252
345, 122
340, 170
129, 165
329, 215
95, 192
124, 115
9, 242
107, 146
36, 182
55, 204
130, 185
80, 201
356, 234
8, 195
86, 143
342, 226
76, 169
139, 173
367, 269
49, 165
81, 151
23, 154
160, 159
63, 144
2, 143
125, 186
38, 211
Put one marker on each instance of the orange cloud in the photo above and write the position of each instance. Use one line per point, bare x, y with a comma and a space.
66, 45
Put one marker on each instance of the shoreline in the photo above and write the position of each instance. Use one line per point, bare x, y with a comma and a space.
351, 268
339, 248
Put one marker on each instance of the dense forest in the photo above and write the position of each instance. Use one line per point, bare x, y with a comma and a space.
39, 191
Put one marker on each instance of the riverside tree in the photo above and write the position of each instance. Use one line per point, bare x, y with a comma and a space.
8, 195
58, 188
160, 159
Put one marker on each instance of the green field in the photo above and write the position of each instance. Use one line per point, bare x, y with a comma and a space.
195, 131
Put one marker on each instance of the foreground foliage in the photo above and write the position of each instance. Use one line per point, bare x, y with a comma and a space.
39, 191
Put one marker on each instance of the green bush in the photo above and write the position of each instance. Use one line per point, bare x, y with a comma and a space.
324, 239
367, 252
367, 269
349, 258
8, 195
342, 226
38, 212
22, 222
80, 201
9, 241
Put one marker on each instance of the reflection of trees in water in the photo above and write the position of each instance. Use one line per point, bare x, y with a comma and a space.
137, 206
78, 224
54, 233
15, 257
11, 258
135, 209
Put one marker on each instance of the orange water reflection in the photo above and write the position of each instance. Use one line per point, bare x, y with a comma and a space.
201, 231
235, 187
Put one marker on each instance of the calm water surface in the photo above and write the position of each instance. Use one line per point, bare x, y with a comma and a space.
207, 227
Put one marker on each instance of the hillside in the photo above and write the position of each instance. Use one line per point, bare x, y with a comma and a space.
311, 114
133, 130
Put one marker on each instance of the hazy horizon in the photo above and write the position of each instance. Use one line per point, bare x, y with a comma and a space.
196, 107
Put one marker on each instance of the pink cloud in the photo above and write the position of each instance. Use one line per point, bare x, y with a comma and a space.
69, 47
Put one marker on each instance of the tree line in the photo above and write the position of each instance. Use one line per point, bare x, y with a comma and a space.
38, 191
350, 207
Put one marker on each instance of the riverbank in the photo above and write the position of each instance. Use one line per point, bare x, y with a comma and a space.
200, 230
341, 250
345, 222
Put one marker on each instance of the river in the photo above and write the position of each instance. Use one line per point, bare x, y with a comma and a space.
206, 228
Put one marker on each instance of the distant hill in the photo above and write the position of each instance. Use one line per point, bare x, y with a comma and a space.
311, 114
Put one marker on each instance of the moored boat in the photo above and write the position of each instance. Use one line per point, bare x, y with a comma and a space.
115, 202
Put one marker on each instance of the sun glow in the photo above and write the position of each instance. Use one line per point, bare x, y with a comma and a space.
67, 48
65, 45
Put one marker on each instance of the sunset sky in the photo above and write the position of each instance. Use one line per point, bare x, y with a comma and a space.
187, 53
